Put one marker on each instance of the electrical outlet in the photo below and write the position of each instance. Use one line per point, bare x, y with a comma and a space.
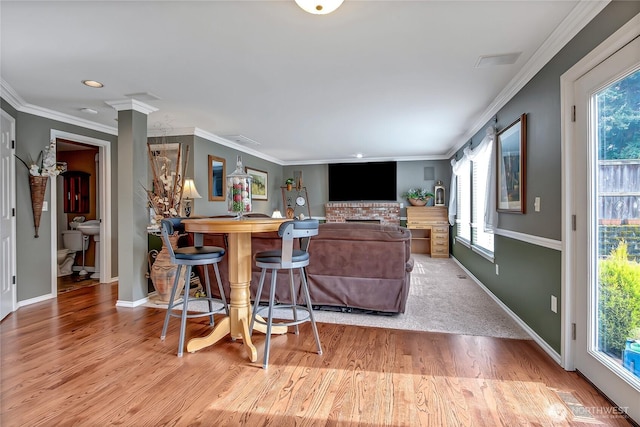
554, 304
497, 270
45, 206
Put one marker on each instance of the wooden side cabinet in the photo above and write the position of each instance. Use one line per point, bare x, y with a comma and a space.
429, 230
76, 192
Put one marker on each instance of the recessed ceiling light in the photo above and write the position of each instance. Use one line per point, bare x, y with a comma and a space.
359, 155
89, 111
92, 83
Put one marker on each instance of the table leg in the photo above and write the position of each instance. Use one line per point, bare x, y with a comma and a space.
221, 330
237, 324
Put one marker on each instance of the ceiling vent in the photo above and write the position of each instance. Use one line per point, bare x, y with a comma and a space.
142, 96
487, 61
241, 139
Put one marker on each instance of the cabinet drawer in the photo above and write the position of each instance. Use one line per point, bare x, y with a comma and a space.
440, 242
440, 252
440, 229
418, 226
440, 237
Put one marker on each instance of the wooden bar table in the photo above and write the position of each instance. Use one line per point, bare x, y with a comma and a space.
240, 259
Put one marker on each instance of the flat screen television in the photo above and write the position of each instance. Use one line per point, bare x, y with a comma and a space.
371, 181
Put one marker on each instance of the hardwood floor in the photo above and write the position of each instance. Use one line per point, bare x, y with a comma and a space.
74, 281
79, 360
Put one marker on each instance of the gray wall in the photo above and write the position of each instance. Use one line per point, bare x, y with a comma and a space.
203, 148
34, 258
409, 174
530, 274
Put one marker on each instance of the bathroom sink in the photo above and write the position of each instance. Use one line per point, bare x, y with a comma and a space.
90, 228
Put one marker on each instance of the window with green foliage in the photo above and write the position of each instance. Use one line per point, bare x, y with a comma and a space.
618, 301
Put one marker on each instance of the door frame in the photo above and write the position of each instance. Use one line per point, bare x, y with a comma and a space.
611, 45
104, 194
12, 202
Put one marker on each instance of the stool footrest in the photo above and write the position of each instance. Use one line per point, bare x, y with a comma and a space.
220, 309
306, 315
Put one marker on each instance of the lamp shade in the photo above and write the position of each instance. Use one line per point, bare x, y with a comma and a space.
189, 191
319, 7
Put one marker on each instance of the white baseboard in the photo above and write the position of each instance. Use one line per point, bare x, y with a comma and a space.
36, 299
131, 304
541, 342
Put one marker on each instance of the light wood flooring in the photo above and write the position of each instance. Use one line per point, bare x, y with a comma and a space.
81, 361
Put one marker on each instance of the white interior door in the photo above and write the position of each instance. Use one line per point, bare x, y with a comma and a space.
7, 217
607, 205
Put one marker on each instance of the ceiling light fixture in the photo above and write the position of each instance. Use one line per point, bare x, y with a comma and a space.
92, 83
319, 7
359, 155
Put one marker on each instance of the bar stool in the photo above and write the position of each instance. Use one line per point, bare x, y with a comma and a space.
190, 256
286, 258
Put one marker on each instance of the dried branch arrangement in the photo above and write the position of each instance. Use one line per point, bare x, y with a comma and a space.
165, 196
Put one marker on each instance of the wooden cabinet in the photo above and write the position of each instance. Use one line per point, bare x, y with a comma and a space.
429, 230
76, 192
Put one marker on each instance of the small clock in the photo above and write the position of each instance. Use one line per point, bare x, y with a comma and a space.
300, 201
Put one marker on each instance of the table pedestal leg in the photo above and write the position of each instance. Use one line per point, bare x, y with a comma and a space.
237, 323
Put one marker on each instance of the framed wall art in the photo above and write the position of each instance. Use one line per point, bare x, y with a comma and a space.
511, 165
259, 184
217, 179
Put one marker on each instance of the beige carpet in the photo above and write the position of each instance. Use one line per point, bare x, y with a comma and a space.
441, 299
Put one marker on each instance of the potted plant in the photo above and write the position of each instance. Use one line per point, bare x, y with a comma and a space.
417, 196
289, 183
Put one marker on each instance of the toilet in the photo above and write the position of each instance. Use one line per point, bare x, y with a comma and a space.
66, 259
72, 242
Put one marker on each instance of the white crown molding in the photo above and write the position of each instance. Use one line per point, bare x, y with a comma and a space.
8, 94
222, 141
132, 104
528, 238
11, 96
366, 159
579, 17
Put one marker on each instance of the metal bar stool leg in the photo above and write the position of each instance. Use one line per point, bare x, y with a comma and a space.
272, 297
170, 306
294, 303
208, 285
305, 289
185, 308
256, 303
221, 288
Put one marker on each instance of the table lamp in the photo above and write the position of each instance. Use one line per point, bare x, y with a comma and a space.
189, 193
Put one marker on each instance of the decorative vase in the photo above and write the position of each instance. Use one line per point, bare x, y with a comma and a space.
239, 190
289, 187
163, 272
418, 202
38, 186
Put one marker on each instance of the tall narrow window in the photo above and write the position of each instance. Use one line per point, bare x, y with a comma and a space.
463, 219
480, 166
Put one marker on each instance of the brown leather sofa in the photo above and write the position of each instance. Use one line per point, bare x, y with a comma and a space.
353, 266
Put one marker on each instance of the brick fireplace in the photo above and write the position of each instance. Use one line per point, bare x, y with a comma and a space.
384, 212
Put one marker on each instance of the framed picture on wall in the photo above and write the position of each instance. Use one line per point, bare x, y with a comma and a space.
259, 184
217, 180
511, 166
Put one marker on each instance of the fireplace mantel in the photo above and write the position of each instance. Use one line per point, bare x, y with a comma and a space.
385, 212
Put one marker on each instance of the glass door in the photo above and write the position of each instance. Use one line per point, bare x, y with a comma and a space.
608, 228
